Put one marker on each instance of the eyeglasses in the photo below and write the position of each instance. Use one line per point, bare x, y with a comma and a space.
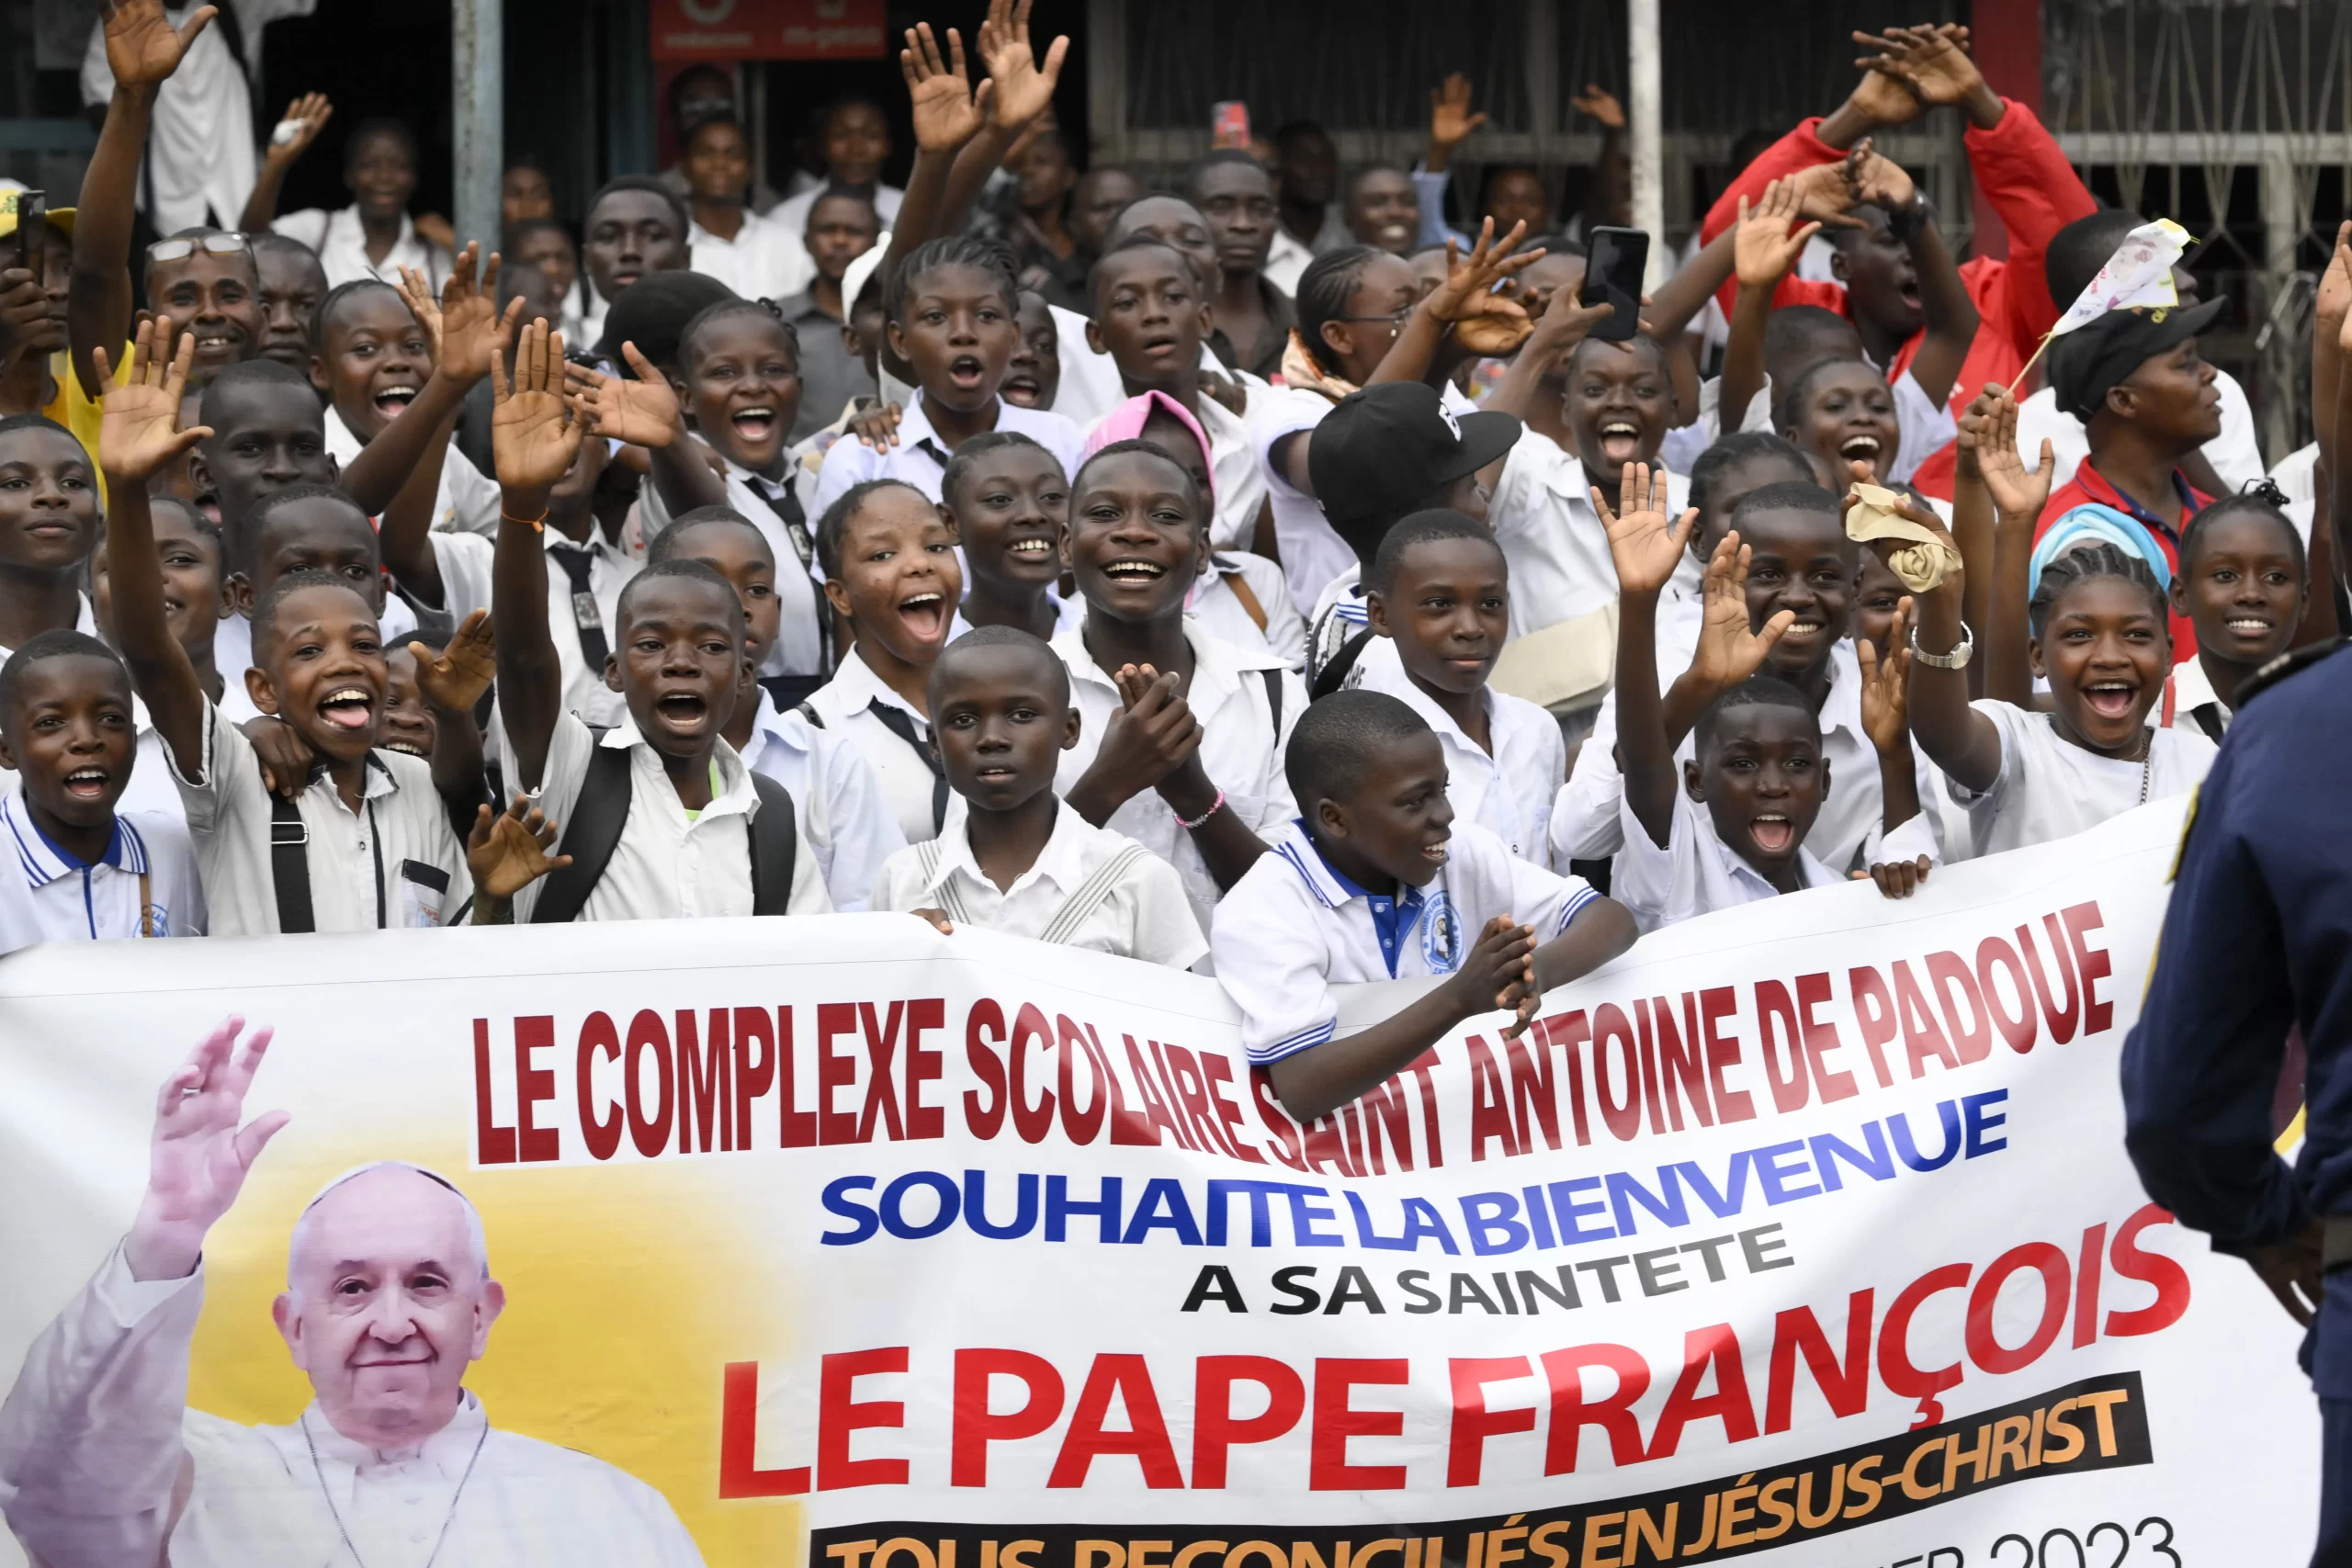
230, 243
1396, 319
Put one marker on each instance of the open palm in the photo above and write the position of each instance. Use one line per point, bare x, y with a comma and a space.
509, 850
1024, 89
1766, 247
198, 1155
1730, 648
641, 409
947, 112
1885, 673
471, 332
455, 679
1644, 543
2017, 493
533, 437
139, 426
142, 47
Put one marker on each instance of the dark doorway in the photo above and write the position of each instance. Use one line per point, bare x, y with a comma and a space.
373, 59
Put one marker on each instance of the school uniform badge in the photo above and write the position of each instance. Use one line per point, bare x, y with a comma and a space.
1442, 944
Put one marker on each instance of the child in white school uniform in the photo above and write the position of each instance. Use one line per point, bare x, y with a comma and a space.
83, 870
1440, 609
890, 571
662, 818
2101, 638
1019, 859
1376, 881
1729, 826
837, 802
1180, 747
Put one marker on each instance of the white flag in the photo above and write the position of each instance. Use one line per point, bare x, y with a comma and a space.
2138, 273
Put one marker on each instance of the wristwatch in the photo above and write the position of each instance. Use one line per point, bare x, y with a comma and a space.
1906, 221
1956, 660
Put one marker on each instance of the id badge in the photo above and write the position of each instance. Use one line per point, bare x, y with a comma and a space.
585, 613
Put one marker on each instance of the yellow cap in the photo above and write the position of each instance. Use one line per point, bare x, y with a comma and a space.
60, 218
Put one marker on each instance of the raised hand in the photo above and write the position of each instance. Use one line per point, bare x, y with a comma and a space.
473, 332
139, 426
641, 410
1152, 735
1482, 321
1884, 99
1766, 248
308, 115
1730, 650
1876, 178
1823, 194
455, 679
1886, 675
947, 112
2018, 495
142, 47
1644, 543
1932, 61
1023, 89
1451, 121
416, 293
1563, 324
1601, 105
533, 435
198, 1155
509, 849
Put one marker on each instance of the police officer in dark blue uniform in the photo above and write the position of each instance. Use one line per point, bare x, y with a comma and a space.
2257, 940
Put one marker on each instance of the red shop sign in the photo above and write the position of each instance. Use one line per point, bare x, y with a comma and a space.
769, 30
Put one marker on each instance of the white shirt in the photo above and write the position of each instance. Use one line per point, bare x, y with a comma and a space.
143, 884
1585, 820
1680, 451
2192, 689
1509, 792
1242, 741
921, 457
2236, 454
342, 244
2049, 788
1220, 611
845, 705
1923, 427
1286, 259
466, 564
670, 864
1696, 872
1293, 928
200, 154
95, 1431
804, 621
395, 861
2297, 473
232, 652
1145, 916
764, 260
844, 817
1313, 554
1091, 386
1557, 549
468, 500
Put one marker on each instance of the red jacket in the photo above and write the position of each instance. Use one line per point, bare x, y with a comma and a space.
2028, 181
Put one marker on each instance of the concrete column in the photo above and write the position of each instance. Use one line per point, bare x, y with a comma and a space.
1644, 43
478, 110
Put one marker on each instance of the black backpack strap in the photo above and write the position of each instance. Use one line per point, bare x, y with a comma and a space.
1328, 679
810, 714
1274, 698
289, 866
592, 835
776, 844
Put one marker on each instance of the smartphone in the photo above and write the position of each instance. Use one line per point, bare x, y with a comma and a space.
32, 218
1617, 259
1230, 125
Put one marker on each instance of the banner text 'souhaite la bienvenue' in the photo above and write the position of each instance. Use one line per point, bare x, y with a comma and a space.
1804, 1232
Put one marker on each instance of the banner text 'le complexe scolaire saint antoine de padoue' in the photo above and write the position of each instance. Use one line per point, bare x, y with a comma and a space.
1803, 1232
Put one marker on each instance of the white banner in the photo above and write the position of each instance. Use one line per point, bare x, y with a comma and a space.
1802, 1231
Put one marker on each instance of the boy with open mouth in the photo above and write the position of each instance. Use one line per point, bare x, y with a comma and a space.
372, 359
365, 842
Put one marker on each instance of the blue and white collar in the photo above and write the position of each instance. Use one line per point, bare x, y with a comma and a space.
44, 862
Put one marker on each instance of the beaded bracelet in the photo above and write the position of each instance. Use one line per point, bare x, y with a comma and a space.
1215, 807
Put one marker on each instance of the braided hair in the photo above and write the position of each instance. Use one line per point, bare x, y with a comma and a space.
2260, 498
991, 256
724, 310
1326, 286
2087, 563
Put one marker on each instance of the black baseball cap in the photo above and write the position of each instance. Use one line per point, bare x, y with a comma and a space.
653, 311
1391, 445
2090, 361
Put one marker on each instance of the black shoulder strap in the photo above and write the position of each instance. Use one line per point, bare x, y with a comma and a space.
590, 837
289, 866
1274, 698
1328, 679
809, 713
775, 843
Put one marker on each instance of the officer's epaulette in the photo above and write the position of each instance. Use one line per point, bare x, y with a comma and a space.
2286, 664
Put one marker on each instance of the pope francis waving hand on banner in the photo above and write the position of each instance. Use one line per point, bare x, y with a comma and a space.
388, 1299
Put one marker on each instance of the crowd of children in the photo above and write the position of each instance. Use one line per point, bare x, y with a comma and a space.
1027, 551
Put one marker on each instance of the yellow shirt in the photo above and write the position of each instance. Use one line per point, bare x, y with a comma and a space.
79, 412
